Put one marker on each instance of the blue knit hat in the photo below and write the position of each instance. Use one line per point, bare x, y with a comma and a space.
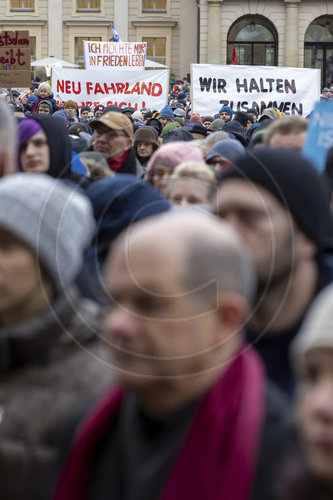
227, 109
167, 112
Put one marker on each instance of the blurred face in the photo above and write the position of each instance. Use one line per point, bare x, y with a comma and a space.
161, 177
18, 273
198, 136
70, 109
249, 125
44, 109
263, 224
254, 117
165, 121
43, 93
221, 164
144, 149
288, 141
90, 115
187, 191
98, 113
84, 115
207, 123
225, 116
151, 331
111, 143
35, 154
315, 411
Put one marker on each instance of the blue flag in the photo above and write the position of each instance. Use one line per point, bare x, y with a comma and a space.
319, 137
115, 37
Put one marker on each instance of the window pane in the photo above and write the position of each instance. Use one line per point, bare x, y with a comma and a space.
82, 4
29, 4
79, 53
161, 4
148, 4
95, 4
150, 46
318, 33
16, 4
160, 47
254, 33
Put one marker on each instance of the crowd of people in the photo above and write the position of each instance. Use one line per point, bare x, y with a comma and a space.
166, 293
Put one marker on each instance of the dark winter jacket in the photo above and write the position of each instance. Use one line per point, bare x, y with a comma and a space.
48, 366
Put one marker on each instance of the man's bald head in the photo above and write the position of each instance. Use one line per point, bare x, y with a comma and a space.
205, 252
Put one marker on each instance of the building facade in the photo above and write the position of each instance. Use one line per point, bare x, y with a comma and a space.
295, 33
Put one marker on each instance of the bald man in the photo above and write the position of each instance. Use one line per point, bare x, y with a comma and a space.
194, 417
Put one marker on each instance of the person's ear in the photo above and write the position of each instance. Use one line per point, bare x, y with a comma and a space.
233, 310
129, 143
305, 247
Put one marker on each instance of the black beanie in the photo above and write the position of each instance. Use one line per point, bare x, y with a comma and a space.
295, 183
253, 111
242, 118
85, 108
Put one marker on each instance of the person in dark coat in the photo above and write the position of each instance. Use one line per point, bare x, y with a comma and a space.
45, 147
194, 416
117, 203
277, 201
113, 138
52, 360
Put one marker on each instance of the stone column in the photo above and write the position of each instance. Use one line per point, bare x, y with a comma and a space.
214, 55
120, 18
54, 27
291, 34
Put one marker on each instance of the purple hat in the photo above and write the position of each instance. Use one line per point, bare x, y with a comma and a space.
26, 129
99, 107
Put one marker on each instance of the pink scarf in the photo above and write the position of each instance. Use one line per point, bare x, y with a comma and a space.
219, 455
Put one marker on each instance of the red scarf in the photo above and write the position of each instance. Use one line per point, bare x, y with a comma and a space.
219, 455
116, 163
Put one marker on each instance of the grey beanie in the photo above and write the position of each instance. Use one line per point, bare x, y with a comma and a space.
317, 328
54, 220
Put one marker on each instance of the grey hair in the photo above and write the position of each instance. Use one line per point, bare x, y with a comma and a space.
212, 268
214, 138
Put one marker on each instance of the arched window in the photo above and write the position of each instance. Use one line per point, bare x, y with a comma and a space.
318, 48
255, 39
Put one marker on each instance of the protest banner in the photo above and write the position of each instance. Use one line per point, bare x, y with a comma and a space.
122, 88
15, 59
319, 137
129, 56
292, 91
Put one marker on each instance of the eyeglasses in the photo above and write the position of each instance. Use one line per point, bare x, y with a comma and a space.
109, 133
37, 143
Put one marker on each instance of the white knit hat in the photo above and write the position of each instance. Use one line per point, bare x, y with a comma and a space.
317, 328
53, 219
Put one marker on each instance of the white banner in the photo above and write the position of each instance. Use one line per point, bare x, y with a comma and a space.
292, 91
129, 56
144, 89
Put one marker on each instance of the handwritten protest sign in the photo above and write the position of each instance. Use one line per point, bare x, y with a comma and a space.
15, 59
138, 89
320, 134
118, 55
291, 90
